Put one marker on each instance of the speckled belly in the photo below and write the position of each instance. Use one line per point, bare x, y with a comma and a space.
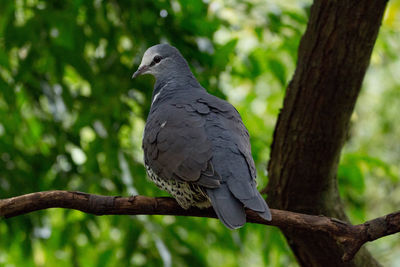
186, 194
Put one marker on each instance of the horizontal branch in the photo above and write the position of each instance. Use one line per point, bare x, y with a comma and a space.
350, 237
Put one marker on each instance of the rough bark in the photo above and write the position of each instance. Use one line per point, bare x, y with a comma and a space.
333, 56
351, 237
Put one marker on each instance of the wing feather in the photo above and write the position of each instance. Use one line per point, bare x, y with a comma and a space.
176, 145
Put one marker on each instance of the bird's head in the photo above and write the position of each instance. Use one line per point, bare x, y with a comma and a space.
160, 60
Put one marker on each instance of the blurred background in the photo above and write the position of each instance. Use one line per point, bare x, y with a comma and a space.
72, 119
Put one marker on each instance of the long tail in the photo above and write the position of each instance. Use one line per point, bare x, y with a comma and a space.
228, 209
229, 205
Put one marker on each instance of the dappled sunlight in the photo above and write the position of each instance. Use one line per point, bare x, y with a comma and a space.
71, 118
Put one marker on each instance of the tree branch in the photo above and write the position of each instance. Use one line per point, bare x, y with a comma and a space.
351, 237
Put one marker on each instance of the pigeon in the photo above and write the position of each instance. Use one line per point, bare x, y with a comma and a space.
195, 144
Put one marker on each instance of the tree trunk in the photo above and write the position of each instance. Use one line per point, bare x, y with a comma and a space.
334, 54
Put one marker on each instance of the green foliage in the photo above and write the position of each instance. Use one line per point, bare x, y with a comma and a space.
71, 118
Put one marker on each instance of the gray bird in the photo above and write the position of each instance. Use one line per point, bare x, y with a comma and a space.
196, 146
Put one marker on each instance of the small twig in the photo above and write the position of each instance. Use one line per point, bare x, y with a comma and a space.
350, 237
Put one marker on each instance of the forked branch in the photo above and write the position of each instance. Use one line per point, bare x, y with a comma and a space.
349, 237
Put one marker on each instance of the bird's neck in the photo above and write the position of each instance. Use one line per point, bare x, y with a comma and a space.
175, 77
178, 74
176, 83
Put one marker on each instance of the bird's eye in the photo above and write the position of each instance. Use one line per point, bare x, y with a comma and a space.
157, 59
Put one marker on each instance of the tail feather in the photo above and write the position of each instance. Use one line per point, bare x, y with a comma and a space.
248, 194
228, 209
259, 205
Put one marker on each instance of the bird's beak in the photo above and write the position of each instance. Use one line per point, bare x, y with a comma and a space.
140, 71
